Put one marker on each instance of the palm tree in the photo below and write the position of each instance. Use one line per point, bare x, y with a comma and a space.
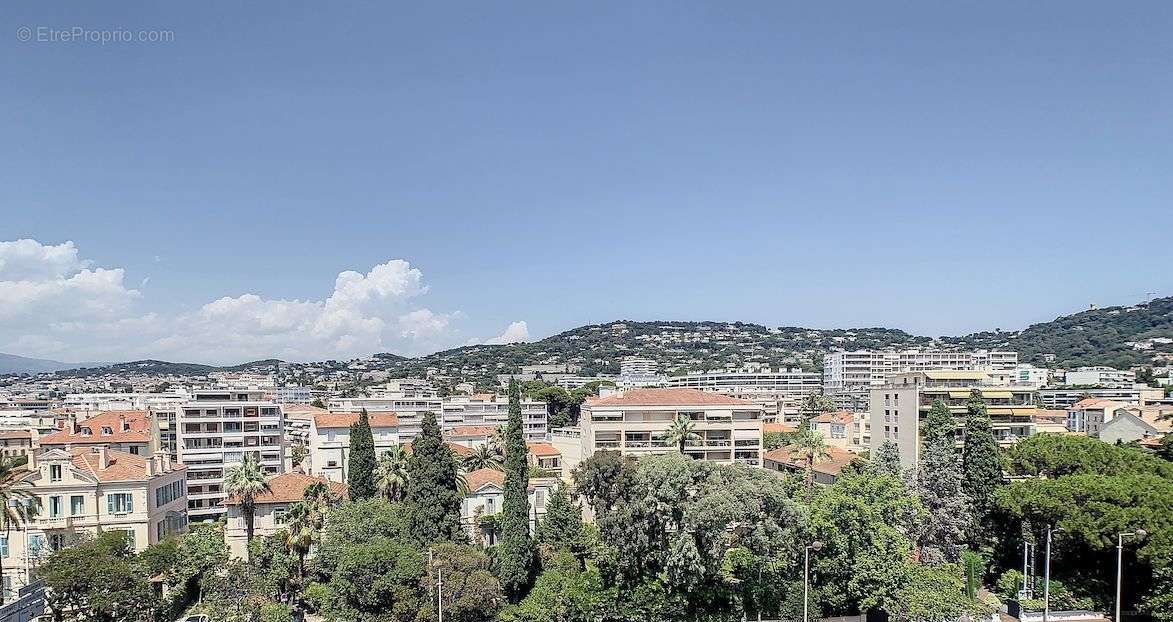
811, 449
19, 505
484, 457
246, 481
391, 474
682, 432
299, 534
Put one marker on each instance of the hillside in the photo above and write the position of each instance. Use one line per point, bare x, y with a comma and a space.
1116, 336
13, 364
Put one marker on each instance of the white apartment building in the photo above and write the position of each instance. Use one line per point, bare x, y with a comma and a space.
329, 441
122, 401
1064, 398
488, 409
1100, 376
89, 490
635, 422
898, 407
862, 370
214, 431
752, 383
637, 371
1027, 374
477, 409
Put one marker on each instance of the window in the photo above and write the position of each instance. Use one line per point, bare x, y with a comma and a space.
279, 516
77, 505
55, 507
56, 541
54, 472
3, 547
119, 503
489, 506
130, 538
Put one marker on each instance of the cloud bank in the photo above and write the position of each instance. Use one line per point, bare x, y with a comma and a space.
54, 303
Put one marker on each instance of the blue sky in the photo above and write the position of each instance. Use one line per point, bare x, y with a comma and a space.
941, 169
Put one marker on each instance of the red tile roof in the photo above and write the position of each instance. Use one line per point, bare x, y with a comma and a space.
1095, 402
667, 397
788, 455
835, 417
543, 449
473, 430
345, 420
120, 466
475, 480
290, 488
136, 421
457, 450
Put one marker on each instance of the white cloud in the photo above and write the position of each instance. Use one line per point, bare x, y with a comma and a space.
515, 333
54, 298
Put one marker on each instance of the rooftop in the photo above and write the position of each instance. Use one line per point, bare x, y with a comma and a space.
345, 420
290, 488
124, 426
667, 397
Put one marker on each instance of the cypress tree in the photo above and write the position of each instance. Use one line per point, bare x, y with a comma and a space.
431, 487
887, 460
561, 528
360, 479
517, 549
939, 488
980, 465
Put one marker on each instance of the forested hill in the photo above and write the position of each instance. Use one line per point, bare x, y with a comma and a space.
1115, 336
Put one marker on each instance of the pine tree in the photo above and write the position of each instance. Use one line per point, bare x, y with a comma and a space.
886, 460
939, 487
561, 528
360, 480
517, 549
432, 487
980, 466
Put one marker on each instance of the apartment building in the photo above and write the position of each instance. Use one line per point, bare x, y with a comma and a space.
214, 431
862, 370
1090, 415
15, 443
898, 407
635, 422
270, 508
130, 431
329, 441
752, 383
409, 409
1100, 376
1062, 398
89, 490
637, 371
489, 409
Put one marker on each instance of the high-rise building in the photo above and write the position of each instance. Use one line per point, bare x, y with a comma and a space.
214, 431
859, 371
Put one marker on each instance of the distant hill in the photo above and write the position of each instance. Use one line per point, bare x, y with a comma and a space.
1120, 337
13, 364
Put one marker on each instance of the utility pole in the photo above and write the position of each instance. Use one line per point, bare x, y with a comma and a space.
440, 594
1139, 534
1047, 576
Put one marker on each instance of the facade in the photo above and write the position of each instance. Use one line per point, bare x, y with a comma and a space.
752, 384
15, 443
129, 431
1099, 376
1064, 398
89, 490
636, 372
1026, 374
859, 371
636, 422
214, 431
485, 496
1088, 416
329, 441
489, 409
898, 407
269, 509
844, 430
1137, 425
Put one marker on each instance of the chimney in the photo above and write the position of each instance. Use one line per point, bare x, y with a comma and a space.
122, 424
103, 458
150, 466
32, 463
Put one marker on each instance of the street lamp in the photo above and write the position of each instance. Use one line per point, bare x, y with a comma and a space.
1047, 576
1139, 534
806, 575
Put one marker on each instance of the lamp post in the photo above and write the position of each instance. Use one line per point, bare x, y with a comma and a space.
806, 576
1025, 568
1139, 534
1047, 576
